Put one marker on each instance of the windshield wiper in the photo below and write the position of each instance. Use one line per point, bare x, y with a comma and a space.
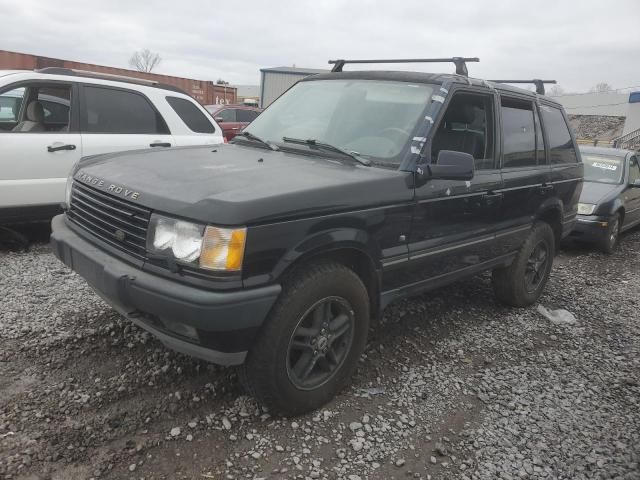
327, 146
255, 138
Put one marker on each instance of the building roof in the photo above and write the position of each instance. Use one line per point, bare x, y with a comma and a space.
295, 70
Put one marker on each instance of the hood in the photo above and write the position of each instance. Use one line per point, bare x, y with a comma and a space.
233, 184
595, 192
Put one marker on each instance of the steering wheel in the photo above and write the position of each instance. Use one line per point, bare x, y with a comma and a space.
396, 133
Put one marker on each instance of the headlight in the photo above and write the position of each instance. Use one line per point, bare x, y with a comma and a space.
586, 208
208, 247
67, 192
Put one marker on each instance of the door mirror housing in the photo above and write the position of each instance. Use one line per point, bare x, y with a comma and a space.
451, 165
636, 183
219, 120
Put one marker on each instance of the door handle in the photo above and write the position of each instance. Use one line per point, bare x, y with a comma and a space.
544, 189
160, 144
492, 198
51, 148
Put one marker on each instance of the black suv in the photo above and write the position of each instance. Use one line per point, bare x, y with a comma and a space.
352, 190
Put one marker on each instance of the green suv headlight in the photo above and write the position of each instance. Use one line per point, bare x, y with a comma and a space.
207, 247
586, 209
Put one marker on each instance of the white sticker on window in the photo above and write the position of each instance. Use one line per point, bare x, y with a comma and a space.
605, 166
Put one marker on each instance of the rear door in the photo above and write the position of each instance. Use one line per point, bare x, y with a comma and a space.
115, 119
525, 170
37, 151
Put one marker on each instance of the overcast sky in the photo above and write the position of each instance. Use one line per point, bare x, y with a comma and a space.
579, 43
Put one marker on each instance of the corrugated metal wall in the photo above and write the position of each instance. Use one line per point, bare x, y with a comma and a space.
204, 91
274, 84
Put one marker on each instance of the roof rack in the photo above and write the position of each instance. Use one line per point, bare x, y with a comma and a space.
459, 62
537, 82
108, 76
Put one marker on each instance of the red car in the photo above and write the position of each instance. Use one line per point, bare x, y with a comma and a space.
233, 118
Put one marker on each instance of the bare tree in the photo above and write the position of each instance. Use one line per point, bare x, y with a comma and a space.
556, 91
221, 82
144, 60
601, 87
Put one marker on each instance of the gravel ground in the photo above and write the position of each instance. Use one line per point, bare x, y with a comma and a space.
451, 386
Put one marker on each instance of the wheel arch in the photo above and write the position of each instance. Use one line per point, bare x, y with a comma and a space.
552, 213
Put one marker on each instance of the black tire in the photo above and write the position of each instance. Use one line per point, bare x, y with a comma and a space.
269, 373
609, 243
512, 285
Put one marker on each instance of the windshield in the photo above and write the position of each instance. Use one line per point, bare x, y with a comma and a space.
375, 119
603, 169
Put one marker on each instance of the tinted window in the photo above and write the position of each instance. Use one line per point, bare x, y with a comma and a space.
246, 115
467, 126
560, 144
56, 102
191, 115
634, 170
228, 115
518, 133
540, 153
117, 111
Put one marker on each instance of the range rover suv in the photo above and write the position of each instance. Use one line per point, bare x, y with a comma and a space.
352, 190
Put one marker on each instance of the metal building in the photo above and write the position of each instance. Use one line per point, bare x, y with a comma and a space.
275, 81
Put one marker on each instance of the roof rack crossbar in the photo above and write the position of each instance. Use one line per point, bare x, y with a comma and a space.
459, 62
536, 81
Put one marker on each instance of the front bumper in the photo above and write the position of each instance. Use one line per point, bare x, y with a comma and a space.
218, 327
590, 228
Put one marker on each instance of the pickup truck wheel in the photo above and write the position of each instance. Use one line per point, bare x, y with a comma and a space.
612, 236
521, 283
311, 342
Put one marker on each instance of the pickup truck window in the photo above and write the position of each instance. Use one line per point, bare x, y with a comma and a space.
373, 118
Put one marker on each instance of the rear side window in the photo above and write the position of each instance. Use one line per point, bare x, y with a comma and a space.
191, 115
246, 115
560, 144
107, 110
518, 133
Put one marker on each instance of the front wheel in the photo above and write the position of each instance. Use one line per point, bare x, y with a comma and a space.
612, 235
311, 342
521, 283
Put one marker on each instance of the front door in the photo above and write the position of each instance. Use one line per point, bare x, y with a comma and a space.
116, 119
39, 143
453, 224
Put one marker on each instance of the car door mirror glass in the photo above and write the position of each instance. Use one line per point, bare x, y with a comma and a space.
452, 165
219, 120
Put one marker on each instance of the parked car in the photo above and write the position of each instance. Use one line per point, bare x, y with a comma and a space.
50, 118
352, 190
610, 199
233, 118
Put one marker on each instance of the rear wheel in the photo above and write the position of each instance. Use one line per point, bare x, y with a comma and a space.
521, 283
612, 236
311, 342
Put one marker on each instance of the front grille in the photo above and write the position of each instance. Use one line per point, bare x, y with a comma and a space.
120, 223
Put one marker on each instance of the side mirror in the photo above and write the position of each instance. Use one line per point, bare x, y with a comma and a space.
452, 165
219, 120
636, 183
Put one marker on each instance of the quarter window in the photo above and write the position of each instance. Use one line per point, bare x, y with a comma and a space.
191, 115
10, 103
467, 126
108, 110
560, 144
518, 133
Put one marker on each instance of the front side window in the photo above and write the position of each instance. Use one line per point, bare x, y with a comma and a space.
467, 126
560, 143
227, 115
56, 103
107, 110
518, 133
247, 116
634, 170
191, 115
603, 168
375, 118
36, 108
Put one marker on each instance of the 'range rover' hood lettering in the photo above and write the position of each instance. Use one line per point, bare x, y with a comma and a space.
108, 187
